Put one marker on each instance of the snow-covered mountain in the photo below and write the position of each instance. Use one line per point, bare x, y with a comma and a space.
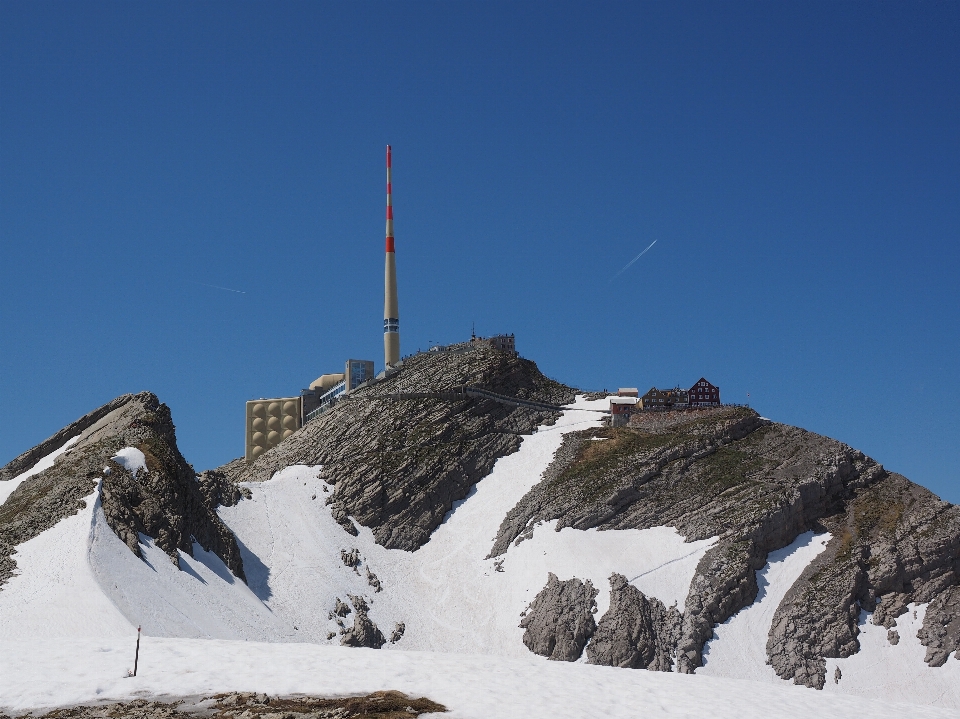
468, 541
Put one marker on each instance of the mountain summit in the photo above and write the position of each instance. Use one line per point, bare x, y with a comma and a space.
451, 506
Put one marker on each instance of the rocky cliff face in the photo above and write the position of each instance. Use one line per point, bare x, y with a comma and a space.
636, 632
757, 485
398, 465
165, 502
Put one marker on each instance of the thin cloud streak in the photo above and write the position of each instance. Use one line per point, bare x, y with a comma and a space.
218, 287
632, 261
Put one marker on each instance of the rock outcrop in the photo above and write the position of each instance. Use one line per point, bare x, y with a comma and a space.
398, 465
941, 627
559, 621
165, 502
636, 632
363, 633
757, 485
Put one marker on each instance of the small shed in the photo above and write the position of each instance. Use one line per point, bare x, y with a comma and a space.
620, 410
628, 392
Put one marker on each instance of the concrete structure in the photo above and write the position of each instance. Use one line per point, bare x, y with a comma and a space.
310, 398
357, 372
620, 410
391, 311
327, 389
269, 422
704, 394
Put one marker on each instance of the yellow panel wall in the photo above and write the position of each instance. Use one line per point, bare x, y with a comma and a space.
269, 422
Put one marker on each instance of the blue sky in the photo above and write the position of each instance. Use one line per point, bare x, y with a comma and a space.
797, 163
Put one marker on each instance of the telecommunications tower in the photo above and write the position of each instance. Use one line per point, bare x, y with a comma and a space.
391, 313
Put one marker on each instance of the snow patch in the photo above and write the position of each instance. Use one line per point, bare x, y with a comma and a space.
739, 646
896, 672
201, 599
54, 593
132, 459
45, 462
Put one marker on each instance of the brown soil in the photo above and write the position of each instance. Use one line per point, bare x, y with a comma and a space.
248, 705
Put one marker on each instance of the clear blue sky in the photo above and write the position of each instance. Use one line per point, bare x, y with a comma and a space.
797, 163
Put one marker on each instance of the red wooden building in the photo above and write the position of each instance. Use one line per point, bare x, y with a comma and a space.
703, 394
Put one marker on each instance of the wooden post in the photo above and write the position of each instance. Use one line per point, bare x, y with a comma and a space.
136, 656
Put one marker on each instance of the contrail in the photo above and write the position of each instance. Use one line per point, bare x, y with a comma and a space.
218, 287
632, 261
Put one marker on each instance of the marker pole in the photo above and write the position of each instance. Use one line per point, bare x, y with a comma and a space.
136, 656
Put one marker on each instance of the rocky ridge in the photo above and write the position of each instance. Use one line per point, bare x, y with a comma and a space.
166, 502
757, 485
398, 465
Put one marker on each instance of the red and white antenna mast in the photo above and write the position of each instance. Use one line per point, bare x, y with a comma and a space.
391, 312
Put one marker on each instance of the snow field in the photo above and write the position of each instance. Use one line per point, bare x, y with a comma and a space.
449, 596
201, 599
54, 593
896, 672
739, 646
68, 618
47, 673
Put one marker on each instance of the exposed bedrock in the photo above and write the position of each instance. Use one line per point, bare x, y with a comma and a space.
636, 632
26, 460
757, 485
165, 502
398, 466
895, 543
559, 621
941, 627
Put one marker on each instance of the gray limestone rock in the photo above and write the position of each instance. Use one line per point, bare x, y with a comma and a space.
756, 485
373, 581
636, 632
941, 627
351, 559
559, 621
26, 460
341, 609
219, 491
363, 633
